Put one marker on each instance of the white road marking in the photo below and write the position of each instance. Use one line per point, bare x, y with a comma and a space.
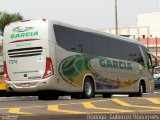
18, 98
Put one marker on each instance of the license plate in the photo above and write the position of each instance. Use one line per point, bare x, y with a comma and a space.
25, 85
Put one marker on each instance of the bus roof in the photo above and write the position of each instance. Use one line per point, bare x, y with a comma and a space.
118, 37
86, 30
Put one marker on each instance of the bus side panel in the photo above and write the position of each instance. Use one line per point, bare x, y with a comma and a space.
66, 70
113, 75
72, 69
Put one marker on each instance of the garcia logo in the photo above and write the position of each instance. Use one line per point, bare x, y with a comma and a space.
114, 64
22, 29
23, 32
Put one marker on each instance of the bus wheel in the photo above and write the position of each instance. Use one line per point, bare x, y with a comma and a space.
107, 95
3, 93
140, 92
88, 90
48, 96
44, 97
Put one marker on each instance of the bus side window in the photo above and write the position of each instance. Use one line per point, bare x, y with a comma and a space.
135, 55
151, 63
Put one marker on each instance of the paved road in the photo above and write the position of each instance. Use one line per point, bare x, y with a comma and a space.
27, 108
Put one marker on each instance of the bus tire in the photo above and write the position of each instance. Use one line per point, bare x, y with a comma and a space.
3, 93
107, 95
48, 96
43, 97
142, 89
88, 89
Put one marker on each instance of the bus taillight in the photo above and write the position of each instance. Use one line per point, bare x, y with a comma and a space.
6, 76
24, 20
49, 68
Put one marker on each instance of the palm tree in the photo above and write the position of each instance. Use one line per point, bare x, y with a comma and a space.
6, 18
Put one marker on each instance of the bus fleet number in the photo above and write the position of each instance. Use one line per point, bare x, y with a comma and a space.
13, 62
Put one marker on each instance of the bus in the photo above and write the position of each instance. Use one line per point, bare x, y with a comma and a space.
52, 58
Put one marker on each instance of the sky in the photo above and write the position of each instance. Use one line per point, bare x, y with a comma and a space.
96, 14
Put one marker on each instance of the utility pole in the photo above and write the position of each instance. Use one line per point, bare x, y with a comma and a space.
116, 18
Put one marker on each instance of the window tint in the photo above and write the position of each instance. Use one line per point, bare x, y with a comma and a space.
147, 58
72, 40
136, 55
96, 44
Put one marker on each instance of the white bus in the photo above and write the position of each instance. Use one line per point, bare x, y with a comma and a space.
54, 58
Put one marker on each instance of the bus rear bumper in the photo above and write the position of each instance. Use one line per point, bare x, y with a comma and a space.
31, 85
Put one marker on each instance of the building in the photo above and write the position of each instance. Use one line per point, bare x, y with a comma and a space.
152, 21
131, 32
146, 31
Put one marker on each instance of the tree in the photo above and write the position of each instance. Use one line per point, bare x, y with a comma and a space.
6, 18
